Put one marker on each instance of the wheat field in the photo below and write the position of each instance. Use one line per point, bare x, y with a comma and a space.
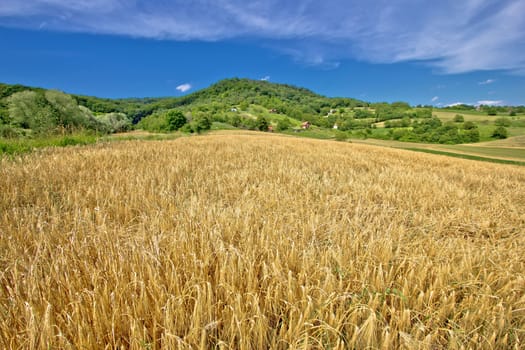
258, 241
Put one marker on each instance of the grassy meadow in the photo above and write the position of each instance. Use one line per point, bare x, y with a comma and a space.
237, 241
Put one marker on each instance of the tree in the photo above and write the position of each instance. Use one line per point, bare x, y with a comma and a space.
30, 110
115, 122
468, 125
500, 132
341, 135
4, 112
458, 118
243, 106
202, 123
236, 120
492, 111
471, 135
283, 124
262, 123
175, 119
65, 109
502, 122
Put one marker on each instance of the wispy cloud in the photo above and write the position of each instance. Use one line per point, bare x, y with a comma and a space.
456, 104
435, 98
266, 78
490, 102
486, 82
454, 37
183, 87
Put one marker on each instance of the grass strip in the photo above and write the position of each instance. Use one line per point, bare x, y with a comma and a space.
467, 156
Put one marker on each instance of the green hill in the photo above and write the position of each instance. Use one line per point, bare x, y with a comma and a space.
255, 105
222, 97
234, 101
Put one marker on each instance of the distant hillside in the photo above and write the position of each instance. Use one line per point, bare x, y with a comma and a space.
226, 94
30, 111
254, 105
216, 100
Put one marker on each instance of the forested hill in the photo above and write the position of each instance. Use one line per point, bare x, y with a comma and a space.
226, 94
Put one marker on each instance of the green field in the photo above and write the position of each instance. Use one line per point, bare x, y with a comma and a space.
496, 152
511, 149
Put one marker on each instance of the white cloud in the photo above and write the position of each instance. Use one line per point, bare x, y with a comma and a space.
490, 103
435, 98
486, 82
456, 104
266, 78
183, 87
454, 37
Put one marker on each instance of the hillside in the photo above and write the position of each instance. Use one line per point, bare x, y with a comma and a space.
226, 94
220, 98
254, 105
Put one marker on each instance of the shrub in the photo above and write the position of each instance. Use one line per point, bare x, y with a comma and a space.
262, 123
492, 111
235, 120
459, 118
471, 135
283, 124
175, 120
469, 125
500, 132
187, 128
502, 121
9, 132
341, 136
201, 123
399, 133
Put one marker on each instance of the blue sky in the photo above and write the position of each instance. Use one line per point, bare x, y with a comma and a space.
470, 51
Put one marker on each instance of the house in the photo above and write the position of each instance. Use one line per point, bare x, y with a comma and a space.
335, 126
273, 110
305, 125
233, 109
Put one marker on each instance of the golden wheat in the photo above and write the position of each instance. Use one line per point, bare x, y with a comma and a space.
259, 241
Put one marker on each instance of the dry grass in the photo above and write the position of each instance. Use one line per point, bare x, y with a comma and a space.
254, 242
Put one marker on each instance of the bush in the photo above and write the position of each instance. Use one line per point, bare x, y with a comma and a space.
175, 120
341, 136
201, 123
471, 135
283, 124
235, 120
459, 118
115, 122
502, 121
500, 132
187, 128
9, 132
492, 111
469, 125
262, 123
398, 133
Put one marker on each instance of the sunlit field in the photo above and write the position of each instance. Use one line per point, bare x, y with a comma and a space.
259, 241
